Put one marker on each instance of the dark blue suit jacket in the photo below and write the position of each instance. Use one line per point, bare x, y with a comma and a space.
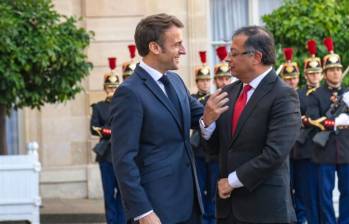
151, 148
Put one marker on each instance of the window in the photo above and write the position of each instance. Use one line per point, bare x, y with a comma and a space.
226, 17
12, 133
229, 15
267, 7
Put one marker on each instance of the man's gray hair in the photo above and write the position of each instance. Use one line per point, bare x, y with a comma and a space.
261, 40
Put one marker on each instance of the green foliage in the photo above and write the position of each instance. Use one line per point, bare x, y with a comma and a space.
42, 54
298, 21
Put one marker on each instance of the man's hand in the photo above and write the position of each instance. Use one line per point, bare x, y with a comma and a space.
215, 106
224, 188
152, 218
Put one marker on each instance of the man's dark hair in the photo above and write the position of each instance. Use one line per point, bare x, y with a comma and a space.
152, 28
259, 39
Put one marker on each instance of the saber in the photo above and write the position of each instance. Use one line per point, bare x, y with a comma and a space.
280, 68
346, 71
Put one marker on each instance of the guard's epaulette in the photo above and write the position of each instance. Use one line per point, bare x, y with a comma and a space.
203, 97
311, 90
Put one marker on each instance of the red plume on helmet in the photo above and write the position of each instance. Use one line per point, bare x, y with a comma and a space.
132, 49
312, 47
329, 44
222, 53
331, 60
288, 52
112, 62
202, 56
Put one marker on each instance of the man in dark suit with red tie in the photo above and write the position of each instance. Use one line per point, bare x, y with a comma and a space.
254, 137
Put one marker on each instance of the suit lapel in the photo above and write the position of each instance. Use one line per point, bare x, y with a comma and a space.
150, 83
183, 101
262, 89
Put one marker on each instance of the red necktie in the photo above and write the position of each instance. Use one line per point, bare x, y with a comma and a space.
239, 107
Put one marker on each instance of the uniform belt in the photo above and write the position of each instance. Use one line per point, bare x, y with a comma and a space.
342, 127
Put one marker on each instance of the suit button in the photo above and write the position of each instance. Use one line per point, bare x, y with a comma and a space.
188, 164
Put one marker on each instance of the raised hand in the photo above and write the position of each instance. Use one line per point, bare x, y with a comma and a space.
215, 106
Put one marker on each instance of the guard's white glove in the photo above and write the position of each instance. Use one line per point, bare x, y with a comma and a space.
346, 98
341, 120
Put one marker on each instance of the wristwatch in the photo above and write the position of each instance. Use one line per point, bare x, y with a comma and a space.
202, 123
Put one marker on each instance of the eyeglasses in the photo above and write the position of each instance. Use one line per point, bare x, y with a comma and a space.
235, 54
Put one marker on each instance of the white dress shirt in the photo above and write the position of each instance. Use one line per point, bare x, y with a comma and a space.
207, 132
155, 74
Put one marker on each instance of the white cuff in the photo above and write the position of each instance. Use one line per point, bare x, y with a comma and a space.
234, 180
341, 120
206, 132
142, 216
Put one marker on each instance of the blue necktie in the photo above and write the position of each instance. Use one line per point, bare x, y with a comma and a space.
172, 96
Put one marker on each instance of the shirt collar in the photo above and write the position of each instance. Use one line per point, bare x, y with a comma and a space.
254, 83
155, 74
332, 87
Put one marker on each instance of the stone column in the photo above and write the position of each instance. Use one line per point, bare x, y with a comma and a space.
198, 35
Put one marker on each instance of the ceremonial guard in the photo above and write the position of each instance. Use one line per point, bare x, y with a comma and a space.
101, 128
328, 112
290, 71
290, 74
206, 166
222, 75
305, 173
129, 66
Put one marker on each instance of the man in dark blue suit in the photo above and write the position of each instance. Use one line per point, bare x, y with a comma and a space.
152, 114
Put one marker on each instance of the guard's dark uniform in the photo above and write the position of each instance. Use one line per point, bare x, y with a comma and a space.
99, 121
304, 146
336, 150
305, 177
99, 126
290, 71
305, 171
333, 157
206, 166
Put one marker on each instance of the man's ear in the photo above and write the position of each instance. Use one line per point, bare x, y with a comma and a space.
154, 47
258, 57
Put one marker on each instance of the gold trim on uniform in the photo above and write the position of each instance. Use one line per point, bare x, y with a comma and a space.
311, 90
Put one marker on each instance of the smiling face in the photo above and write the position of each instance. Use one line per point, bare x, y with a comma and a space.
171, 49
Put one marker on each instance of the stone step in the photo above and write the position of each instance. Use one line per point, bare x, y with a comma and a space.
72, 211
72, 218
69, 211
